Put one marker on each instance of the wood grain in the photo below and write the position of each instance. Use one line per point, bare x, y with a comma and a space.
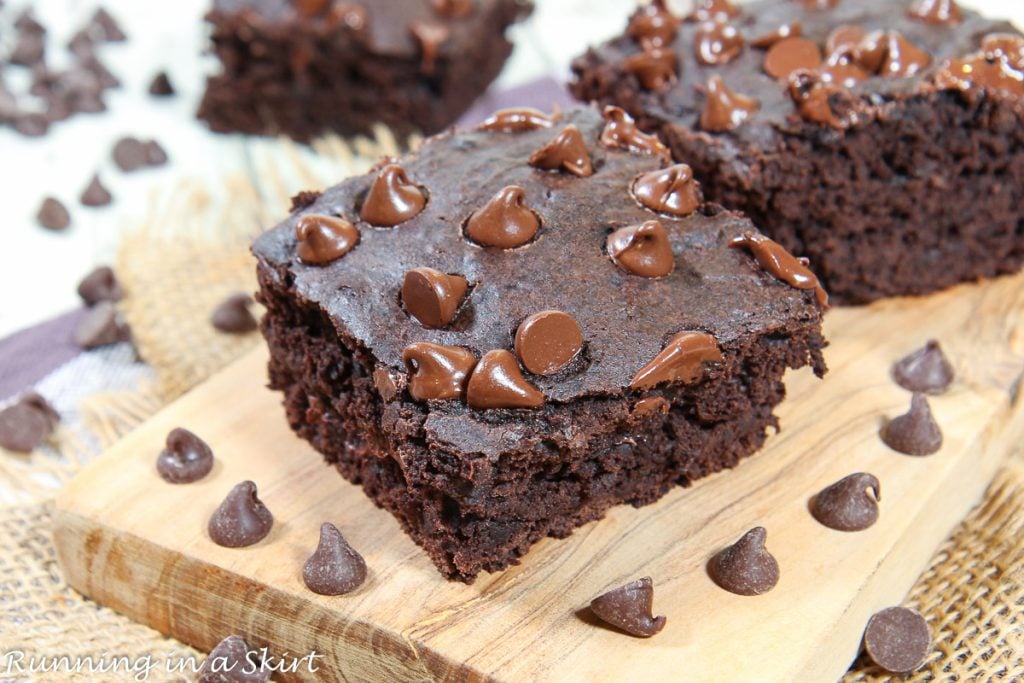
130, 541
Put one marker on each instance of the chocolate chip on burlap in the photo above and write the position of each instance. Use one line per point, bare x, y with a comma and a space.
898, 639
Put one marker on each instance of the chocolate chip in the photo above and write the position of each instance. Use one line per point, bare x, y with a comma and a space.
628, 608
95, 194
682, 360
392, 198
335, 568
653, 25
926, 370
746, 567
101, 326
233, 315
131, 154
457, 9
29, 50
430, 36
26, 23
308, 9
843, 40
810, 92
241, 520
717, 43
32, 124
101, 72
504, 222
497, 382
436, 371
548, 341
322, 239
105, 27
655, 68
942, 12
902, 57
303, 200
713, 10
232, 662
791, 54
185, 459
27, 423
517, 120
898, 639
620, 132
725, 109
155, 154
669, 190
643, 250
53, 215
915, 432
433, 297
791, 30
81, 44
100, 285
780, 264
566, 152
846, 504
161, 85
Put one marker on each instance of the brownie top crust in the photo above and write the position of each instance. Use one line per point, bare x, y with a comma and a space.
534, 236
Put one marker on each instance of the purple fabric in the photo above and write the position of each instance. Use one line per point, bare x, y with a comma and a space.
544, 94
30, 355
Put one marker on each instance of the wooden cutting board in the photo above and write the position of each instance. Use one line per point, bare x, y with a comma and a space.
132, 542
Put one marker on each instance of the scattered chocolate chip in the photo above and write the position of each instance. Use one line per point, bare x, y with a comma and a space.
105, 27
32, 124
915, 432
671, 190
436, 371
233, 315
241, 520
232, 662
725, 109
682, 360
629, 608
746, 567
505, 222
548, 341
780, 264
100, 285
846, 504
304, 199
26, 23
926, 370
433, 297
456, 9
566, 152
53, 215
643, 250
186, 458
131, 154
788, 55
334, 568
102, 74
430, 36
620, 132
898, 639
95, 194
497, 382
655, 68
155, 154
653, 25
791, 30
713, 10
26, 424
81, 44
161, 85
322, 239
516, 121
978, 71
717, 43
392, 198
29, 49
101, 326
944, 12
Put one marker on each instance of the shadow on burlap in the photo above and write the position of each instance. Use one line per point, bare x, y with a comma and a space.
191, 253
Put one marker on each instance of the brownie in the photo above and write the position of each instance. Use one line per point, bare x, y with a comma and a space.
554, 324
309, 67
884, 140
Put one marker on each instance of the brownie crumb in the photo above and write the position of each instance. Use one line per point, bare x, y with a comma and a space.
53, 215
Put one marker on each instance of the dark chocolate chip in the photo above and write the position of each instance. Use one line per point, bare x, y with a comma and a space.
241, 520
186, 458
32, 124
53, 215
942, 12
436, 371
27, 423
717, 43
629, 608
322, 239
725, 109
516, 120
846, 505
780, 264
746, 567
155, 154
130, 154
29, 50
791, 54
898, 639
100, 285
566, 152
915, 432
161, 85
504, 222
81, 44
926, 370
231, 661
548, 341
334, 568
26, 23
101, 72
497, 382
791, 30
95, 194
653, 25
101, 326
643, 250
433, 297
233, 315
620, 132
392, 198
105, 27
671, 190
682, 360
655, 68
713, 10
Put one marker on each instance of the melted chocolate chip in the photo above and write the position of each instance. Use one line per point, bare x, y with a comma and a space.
433, 297
101, 326
516, 121
791, 30
567, 151
810, 92
843, 40
717, 43
241, 520
791, 54
548, 341
232, 662
725, 109
653, 25
841, 73
233, 315
629, 608
846, 504
746, 567
308, 9
998, 67
322, 239
436, 371
902, 57
643, 250
650, 406
497, 382
926, 370
185, 459
943, 12
392, 198
95, 194
915, 432
504, 222
655, 68
430, 35
161, 85
682, 360
898, 639
671, 190
780, 264
1006, 47
453, 8
620, 132
26, 424
100, 285
713, 10
53, 215
334, 568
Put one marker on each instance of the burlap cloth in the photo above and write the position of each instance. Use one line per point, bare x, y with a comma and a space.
191, 253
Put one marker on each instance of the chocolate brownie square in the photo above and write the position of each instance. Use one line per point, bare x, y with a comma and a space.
884, 140
307, 67
506, 333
